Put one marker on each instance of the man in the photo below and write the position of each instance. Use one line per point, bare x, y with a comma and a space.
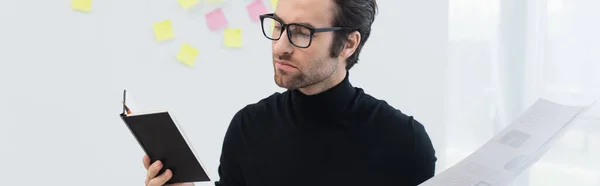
322, 130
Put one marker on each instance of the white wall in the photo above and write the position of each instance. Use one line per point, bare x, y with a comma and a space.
62, 73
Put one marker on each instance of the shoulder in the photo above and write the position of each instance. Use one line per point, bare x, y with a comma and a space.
380, 111
265, 105
389, 119
244, 121
404, 132
260, 110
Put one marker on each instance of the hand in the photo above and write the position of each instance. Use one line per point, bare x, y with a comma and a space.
152, 170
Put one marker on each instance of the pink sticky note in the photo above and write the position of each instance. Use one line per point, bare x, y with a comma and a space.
216, 19
255, 9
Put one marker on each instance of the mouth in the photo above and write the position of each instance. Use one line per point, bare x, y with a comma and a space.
281, 63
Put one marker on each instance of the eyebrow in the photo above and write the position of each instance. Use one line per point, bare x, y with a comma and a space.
302, 23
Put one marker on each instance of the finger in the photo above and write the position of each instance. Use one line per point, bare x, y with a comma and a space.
162, 179
146, 161
153, 169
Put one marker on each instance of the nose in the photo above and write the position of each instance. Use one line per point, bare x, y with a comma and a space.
282, 46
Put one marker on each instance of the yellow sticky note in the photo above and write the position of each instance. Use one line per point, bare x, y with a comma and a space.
163, 30
233, 38
187, 54
274, 3
82, 5
187, 3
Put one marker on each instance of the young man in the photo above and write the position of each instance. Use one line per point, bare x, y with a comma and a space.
322, 130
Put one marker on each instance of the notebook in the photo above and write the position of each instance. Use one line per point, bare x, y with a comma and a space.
162, 139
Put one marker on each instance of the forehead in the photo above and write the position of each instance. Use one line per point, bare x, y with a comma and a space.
317, 13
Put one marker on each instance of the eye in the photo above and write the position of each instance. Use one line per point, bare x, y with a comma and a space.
300, 30
300, 33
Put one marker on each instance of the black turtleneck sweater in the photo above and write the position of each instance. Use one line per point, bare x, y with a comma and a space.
342, 136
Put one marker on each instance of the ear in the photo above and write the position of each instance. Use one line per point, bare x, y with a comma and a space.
351, 45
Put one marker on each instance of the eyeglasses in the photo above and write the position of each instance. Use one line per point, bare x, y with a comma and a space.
299, 35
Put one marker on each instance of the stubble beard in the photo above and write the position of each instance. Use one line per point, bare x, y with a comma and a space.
319, 71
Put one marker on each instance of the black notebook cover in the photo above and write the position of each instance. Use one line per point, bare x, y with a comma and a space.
161, 139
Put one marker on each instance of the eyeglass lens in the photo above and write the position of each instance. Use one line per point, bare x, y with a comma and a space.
299, 35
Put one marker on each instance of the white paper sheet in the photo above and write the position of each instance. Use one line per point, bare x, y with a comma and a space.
514, 149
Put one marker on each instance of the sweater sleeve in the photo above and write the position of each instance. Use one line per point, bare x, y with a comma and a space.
424, 154
230, 172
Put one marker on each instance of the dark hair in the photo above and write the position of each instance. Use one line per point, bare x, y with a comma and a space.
358, 15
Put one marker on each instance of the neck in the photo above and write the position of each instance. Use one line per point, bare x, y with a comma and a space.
324, 85
327, 105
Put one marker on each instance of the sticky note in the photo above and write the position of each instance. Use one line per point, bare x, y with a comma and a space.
232, 38
216, 19
187, 3
163, 30
187, 54
81, 5
255, 9
274, 3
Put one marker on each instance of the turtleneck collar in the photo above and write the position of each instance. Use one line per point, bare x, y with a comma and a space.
324, 106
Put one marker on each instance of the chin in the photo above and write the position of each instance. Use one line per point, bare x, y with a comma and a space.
282, 82
279, 80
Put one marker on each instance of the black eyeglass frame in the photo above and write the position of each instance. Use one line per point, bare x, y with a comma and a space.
289, 34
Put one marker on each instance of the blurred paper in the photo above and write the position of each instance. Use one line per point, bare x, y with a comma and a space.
81, 5
232, 38
216, 19
514, 149
255, 9
187, 54
274, 3
163, 30
215, 1
187, 3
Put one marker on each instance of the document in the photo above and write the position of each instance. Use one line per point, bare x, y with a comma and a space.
514, 149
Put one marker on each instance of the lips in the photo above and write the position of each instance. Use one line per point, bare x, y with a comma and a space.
284, 63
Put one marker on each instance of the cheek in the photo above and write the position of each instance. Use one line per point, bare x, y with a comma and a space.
319, 47
310, 60
301, 59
